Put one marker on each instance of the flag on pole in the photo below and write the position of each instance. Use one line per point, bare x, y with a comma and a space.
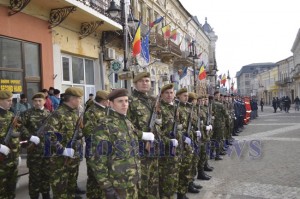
182, 73
202, 73
155, 22
223, 80
136, 45
166, 31
145, 48
173, 34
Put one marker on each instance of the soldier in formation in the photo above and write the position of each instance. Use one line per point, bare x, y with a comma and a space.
137, 146
33, 121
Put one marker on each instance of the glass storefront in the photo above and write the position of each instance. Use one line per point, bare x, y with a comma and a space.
20, 68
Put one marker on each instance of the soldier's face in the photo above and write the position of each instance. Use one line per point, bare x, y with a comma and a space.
75, 102
206, 101
168, 95
143, 85
105, 102
38, 103
120, 105
6, 103
183, 97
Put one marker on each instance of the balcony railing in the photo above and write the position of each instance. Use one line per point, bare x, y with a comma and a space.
100, 6
157, 41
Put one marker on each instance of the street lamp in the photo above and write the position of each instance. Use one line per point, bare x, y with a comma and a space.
193, 54
113, 11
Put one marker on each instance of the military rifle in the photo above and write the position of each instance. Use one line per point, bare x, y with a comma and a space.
173, 133
150, 144
9, 133
39, 132
199, 120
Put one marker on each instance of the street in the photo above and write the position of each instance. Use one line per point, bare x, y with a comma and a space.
263, 163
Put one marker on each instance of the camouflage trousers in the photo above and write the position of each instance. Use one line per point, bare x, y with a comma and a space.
168, 176
64, 172
149, 178
195, 160
93, 190
202, 156
39, 175
8, 180
128, 193
185, 167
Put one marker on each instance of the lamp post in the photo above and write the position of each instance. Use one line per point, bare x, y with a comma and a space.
113, 11
193, 54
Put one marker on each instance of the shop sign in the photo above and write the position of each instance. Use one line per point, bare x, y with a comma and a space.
12, 85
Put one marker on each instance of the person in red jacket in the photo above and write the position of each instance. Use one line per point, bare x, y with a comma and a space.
48, 105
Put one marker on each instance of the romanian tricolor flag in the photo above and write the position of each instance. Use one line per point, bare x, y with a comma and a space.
173, 34
136, 45
166, 31
202, 73
223, 80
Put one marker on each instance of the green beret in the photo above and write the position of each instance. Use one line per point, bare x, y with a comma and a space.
166, 87
102, 94
216, 92
39, 95
5, 94
183, 90
121, 92
77, 92
140, 76
192, 96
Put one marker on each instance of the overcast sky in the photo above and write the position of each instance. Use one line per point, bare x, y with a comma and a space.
249, 31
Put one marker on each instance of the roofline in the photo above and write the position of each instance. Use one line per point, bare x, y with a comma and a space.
297, 39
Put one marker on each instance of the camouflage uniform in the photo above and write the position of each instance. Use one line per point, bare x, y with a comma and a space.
219, 125
8, 167
168, 164
196, 142
204, 139
91, 120
185, 165
139, 113
38, 164
114, 156
64, 170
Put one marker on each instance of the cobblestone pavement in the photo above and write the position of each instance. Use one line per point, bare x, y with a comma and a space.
263, 163
271, 173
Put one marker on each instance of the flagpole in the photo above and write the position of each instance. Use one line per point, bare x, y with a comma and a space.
125, 38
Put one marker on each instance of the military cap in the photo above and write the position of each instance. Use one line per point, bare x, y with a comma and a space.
77, 92
5, 94
39, 95
140, 76
121, 92
192, 96
216, 92
183, 90
102, 94
166, 87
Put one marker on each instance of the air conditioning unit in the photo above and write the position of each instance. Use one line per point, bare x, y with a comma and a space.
110, 54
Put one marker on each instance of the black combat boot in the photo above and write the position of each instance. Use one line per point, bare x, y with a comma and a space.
180, 196
197, 186
207, 167
46, 195
202, 175
192, 189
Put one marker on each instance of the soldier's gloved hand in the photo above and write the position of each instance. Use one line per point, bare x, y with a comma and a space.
149, 136
188, 141
158, 121
199, 134
110, 193
4, 149
174, 142
208, 128
179, 127
34, 139
211, 128
201, 121
69, 152
212, 117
